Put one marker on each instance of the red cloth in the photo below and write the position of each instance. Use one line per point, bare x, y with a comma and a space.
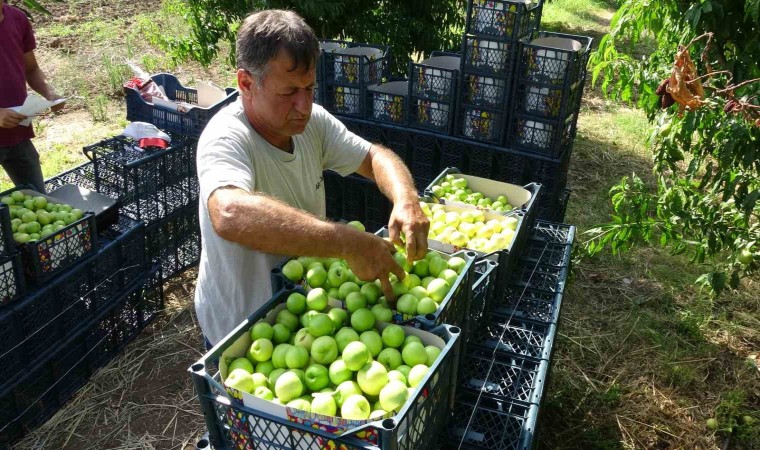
16, 39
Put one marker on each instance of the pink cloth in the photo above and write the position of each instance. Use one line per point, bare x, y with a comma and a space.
16, 39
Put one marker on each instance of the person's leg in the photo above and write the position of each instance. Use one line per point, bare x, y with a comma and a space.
22, 162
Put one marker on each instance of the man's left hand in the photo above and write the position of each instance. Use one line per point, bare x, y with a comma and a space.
407, 218
58, 107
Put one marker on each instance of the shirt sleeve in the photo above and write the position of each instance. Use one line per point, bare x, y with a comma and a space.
343, 151
224, 161
28, 41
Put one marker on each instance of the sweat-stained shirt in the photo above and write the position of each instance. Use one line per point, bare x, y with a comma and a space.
233, 280
16, 38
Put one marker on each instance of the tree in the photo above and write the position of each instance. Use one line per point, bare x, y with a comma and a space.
408, 26
706, 143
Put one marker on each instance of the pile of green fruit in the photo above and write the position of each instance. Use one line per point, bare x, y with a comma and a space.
34, 218
331, 361
425, 286
469, 228
455, 190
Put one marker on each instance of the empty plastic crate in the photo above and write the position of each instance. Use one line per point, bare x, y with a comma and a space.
488, 57
185, 123
358, 65
433, 92
388, 102
175, 241
149, 183
515, 336
503, 19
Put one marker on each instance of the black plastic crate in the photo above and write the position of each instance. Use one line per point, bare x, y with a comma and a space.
515, 336
481, 422
416, 426
526, 303
388, 102
548, 254
363, 201
357, 65
486, 90
502, 19
556, 212
542, 277
82, 175
552, 174
425, 159
549, 64
150, 184
12, 284
7, 246
185, 123
548, 102
482, 124
175, 241
553, 233
488, 57
434, 115
344, 99
435, 78
542, 136
483, 287
399, 140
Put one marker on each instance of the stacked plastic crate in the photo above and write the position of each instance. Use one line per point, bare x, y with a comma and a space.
506, 366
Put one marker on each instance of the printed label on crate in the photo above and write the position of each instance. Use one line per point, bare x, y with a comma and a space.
488, 55
550, 64
388, 107
432, 113
434, 81
494, 17
479, 124
335, 425
543, 101
347, 100
485, 90
349, 62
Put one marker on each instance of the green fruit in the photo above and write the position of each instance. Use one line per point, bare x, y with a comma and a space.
373, 341
7, 200
39, 202
390, 358
746, 256
357, 225
411, 338
345, 390
241, 380
339, 317
414, 354
421, 268
300, 403
347, 288
296, 302
264, 368
274, 376
407, 304
44, 218
401, 261
263, 393
382, 313
280, 333
395, 374
436, 265
21, 238
316, 299
371, 292
712, 424
296, 358
345, 336
355, 407
356, 355
29, 204
355, 301
293, 271
324, 404
260, 350
304, 339
279, 354
261, 330
393, 336
288, 319
417, 374
317, 377
338, 372
321, 325
288, 387
240, 363
316, 276
437, 289
34, 237
372, 378
65, 208
393, 395
29, 217
432, 354
362, 320
426, 305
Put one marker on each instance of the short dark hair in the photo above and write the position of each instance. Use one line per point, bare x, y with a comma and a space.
263, 34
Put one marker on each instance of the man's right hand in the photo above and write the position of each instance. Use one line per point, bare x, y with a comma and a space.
370, 258
10, 118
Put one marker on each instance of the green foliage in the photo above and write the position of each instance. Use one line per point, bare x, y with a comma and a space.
408, 26
707, 161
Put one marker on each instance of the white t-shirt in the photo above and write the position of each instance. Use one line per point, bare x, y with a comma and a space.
233, 280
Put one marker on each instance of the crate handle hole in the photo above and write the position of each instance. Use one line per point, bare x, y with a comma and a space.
203, 444
198, 367
389, 424
455, 330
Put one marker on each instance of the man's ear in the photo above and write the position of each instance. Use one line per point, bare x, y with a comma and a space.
245, 82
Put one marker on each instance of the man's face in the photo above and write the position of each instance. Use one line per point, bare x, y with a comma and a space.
281, 103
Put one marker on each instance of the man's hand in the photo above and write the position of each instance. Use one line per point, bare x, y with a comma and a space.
58, 107
10, 118
408, 218
370, 258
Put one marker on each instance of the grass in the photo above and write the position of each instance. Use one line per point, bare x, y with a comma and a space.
642, 359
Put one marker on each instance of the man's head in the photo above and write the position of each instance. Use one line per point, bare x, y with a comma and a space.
276, 59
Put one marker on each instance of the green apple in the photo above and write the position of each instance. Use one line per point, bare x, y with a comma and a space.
316, 299
362, 320
400, 258
278, 356
324, 350
377, 414
317, 377
297, 358
33, 228
356, 224
437, 289
427, 305
29, 217
344, 336
404, 369
393, 395
241, 380
288, 387
261, 350
339, 316
432, 354
324, 404
395, 374
280, 333
17, 196
421, 268
393, 336
240, 363
407, 304
411, 281
7, 200
265, 367
301, 375
456, 264
449, 275
417, 374
288, 319
437, 265
382, 313
299, 403
337, 275
259, 379
338, 372
296, 302
304, 339
356, 355
332, 293
355, 407
306, 261
347, 288
373, 341
29, 204
306, 318
316, 276
263, 392
459, 183
372, 378
43, 218
371, 292
413, 354
390, 358
345, 390
426, 282
293, 271
419, 292
355, 300
261, 330
321, 325
399, 288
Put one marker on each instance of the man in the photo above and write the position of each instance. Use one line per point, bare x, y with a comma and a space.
260, 163
19, 66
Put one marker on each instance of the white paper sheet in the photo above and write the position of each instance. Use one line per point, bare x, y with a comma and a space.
34, 105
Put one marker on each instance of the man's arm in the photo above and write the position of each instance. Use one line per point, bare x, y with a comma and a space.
37, 81
267, 225
394, 180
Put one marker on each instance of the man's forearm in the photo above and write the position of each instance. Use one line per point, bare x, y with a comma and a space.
267, 225
392, 176
37, 81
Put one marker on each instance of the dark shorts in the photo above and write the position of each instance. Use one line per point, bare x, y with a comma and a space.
22, 163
